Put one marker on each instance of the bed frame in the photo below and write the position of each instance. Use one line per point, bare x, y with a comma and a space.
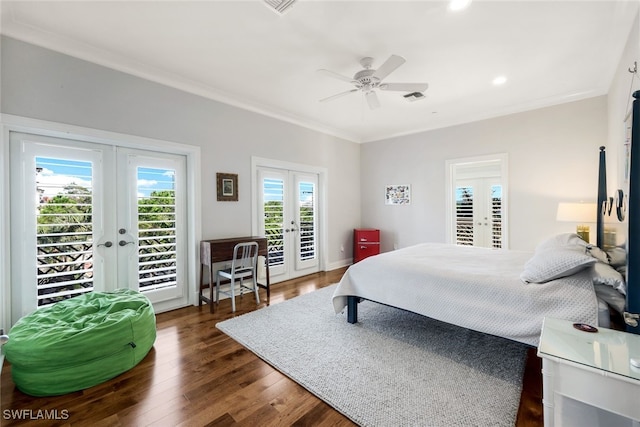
605, 208
632, 314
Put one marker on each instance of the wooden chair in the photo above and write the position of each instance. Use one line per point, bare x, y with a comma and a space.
243, 266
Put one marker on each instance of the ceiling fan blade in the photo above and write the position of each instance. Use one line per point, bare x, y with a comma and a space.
372, 100
341, 94
329, 73
389, 66
405, 87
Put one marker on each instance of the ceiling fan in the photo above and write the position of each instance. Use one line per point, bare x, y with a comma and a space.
368, 80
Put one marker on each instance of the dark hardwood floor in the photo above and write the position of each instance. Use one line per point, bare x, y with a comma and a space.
197, 376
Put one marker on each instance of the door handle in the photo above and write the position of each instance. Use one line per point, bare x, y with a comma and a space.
123, 243
106, 244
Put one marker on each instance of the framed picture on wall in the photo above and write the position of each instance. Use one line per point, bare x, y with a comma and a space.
397, 195
227, 187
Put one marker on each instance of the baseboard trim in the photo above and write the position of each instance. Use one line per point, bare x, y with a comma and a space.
339, 264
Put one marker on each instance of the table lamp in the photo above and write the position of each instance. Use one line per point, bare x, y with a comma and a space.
581, 213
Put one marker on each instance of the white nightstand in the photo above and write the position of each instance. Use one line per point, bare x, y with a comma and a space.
587, 377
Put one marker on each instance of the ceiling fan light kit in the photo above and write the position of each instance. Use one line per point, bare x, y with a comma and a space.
368, 80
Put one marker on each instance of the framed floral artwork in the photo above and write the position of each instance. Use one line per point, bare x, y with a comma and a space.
397, 195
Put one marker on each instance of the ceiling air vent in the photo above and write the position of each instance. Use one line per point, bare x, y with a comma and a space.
414, 96
280, 6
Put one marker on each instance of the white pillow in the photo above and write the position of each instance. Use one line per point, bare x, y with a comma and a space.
573, 241
617, 256
597, 253
612, 297
550, 264
604, 274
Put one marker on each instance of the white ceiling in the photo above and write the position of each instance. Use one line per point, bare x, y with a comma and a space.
242, 53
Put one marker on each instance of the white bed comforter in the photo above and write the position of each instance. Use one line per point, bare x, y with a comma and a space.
472, 287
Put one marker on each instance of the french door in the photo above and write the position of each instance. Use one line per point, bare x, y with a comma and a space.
288, 217
477, 201
478, 212
90, 217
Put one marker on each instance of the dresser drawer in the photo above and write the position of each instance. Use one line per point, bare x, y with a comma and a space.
364, 250
366, 235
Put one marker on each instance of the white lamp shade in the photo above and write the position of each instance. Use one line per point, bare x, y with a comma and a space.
577, 212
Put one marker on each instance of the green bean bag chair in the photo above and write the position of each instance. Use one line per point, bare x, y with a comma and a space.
80, 342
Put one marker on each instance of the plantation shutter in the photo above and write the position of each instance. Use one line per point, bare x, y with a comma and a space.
157, 255
64, 236
464, 215
496, 216
307, 220
273, 199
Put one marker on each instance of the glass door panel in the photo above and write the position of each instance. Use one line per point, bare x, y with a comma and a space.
58, 221
306, 221
272, 219
151, 220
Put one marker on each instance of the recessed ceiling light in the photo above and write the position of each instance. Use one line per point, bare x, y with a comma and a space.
457, 5
500, 80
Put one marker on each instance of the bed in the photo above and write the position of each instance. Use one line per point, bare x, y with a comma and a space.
508, 293
477, 288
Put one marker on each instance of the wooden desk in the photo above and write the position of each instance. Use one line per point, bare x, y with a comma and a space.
221, 250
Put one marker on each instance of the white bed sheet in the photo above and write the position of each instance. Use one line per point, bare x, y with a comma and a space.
476, 288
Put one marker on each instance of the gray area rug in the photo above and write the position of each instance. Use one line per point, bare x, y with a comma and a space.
393, 368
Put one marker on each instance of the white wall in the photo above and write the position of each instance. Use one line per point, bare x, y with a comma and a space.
619, 102
42, 84
619, 105
553, 157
